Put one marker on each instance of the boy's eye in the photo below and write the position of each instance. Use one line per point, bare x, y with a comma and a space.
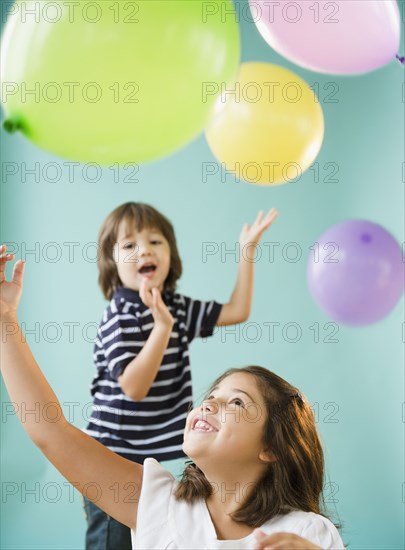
129, 246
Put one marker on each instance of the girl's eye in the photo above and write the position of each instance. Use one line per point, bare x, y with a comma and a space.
238, 402
156, 242
128, 246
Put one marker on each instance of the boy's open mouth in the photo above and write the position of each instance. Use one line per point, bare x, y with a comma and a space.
147, 268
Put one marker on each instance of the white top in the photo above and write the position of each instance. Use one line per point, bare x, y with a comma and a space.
166, 523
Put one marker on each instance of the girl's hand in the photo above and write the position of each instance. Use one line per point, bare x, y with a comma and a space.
10, 292
251, 234
153, 300
282, 541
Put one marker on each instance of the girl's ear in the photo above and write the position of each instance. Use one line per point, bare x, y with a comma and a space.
267, 456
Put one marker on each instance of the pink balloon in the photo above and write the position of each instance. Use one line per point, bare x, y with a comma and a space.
338, 37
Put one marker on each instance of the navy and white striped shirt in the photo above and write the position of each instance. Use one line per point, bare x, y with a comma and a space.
154, 426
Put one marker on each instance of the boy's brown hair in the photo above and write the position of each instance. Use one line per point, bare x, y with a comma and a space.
138, 216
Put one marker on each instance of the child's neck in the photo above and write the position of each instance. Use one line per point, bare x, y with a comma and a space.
226, 528
232, 486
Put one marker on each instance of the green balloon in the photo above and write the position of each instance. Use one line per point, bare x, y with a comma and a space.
116, 81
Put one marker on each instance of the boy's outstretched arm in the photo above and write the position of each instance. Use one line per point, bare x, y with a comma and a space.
82, 460
238, 308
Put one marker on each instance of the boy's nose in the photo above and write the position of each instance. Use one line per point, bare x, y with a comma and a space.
144, 250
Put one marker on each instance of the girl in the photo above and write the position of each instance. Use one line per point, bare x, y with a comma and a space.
256, 458
142, 389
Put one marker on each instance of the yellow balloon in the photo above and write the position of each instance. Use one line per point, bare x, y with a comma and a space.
268, 127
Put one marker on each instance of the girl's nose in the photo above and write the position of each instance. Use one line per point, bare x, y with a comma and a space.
210, 407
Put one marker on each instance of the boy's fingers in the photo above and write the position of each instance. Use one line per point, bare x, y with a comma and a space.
156, 297
18, 272
259, 218
260, 215
261, 222
144, 294
269, 219
273, 213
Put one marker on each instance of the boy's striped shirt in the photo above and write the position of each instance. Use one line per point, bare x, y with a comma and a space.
154, 426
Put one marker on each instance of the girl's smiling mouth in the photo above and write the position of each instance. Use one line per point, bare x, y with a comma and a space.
201, 425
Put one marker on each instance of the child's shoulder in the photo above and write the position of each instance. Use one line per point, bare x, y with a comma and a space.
124, 301
310, 525
173, 298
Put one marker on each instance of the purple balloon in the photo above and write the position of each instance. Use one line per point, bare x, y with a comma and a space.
356, 273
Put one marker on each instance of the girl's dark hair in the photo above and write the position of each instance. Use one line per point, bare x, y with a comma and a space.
294, 481
138, 216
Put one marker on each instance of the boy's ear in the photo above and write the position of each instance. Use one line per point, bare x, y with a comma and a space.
267, 456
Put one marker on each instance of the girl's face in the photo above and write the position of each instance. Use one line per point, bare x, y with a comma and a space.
229, 425
141, 255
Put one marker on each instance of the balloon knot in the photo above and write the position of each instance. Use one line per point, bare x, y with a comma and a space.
11, 126
401, 59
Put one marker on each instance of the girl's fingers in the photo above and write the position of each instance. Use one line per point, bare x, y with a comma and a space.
18, 273
286, 541
259, 535
4, 258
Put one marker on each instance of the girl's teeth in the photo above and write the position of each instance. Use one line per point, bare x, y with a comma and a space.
203, 426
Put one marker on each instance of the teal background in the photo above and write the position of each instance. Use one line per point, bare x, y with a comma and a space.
355, 383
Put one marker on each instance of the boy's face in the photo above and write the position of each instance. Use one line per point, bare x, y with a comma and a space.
141, 255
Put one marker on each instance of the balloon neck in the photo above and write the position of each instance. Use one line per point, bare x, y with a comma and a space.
11, 126
401, 59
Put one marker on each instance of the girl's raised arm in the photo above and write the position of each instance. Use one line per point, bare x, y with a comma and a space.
112, 481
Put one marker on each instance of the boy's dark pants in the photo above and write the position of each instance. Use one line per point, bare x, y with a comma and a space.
104, 532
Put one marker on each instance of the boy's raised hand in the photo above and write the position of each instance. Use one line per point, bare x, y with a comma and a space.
251, 234
10, 291
153, 300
